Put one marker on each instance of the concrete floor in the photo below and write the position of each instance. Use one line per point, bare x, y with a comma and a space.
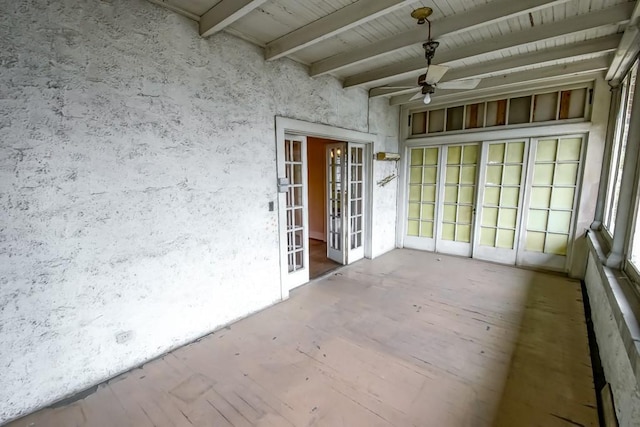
408, 339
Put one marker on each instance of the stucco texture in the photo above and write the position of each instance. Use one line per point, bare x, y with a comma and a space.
137, 161
614, 357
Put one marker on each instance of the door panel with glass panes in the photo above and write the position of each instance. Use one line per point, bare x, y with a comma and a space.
356, 201
456, 212
500, 199
550, 202
345, 202
422, 192
336, 192
519, 210
292, 168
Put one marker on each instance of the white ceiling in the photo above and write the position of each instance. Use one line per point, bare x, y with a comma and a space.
373, 43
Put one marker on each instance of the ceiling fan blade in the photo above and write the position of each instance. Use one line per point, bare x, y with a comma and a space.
418, 95
460, 84
435, 73
396, 87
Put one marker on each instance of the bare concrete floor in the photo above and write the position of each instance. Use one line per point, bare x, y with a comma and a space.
409, 339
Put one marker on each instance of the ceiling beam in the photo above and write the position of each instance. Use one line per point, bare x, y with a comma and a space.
489, 13
521, 77
573, 25
176, 9
226, 13
344, 19
628, 49
600, 45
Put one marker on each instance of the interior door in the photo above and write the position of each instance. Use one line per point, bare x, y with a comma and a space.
456, 210
356, 201
292, 173
422, 197
550, 202
500, 199
336, 203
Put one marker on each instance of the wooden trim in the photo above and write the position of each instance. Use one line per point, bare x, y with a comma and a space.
565, 104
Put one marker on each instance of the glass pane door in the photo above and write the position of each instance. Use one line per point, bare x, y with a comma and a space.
292, 163
551, 201
422, 192
500, 200
457, 210
336, 166
355, 232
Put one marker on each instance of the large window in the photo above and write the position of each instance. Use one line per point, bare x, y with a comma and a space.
619, 149
635, 238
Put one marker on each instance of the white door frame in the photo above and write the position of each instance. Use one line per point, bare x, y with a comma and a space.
309, 129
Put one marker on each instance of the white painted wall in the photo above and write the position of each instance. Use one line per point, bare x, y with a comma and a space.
137, 161
592, 168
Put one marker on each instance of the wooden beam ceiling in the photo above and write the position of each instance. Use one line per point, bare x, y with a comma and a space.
226, 13
600, 45
577, 24
549, 73
628, 49
344, 19
490, 13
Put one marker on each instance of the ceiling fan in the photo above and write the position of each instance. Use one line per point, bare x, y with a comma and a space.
434, 73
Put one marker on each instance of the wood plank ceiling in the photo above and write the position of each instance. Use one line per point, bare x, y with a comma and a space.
375, 44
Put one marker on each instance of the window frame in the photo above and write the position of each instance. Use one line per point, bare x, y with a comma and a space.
618, 148
631, 83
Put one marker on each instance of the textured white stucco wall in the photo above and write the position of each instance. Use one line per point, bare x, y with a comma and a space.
614, 357
137, 161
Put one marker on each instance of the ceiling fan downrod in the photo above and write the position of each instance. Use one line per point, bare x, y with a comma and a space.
421, 15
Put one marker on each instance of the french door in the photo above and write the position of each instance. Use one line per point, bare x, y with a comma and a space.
441, 198
292, 170
424, 181
455, 219
500, 199
550, 201
336, 201
510, 201
345, 202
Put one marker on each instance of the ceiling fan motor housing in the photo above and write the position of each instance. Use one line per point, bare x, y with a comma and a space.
430, 47
426, 87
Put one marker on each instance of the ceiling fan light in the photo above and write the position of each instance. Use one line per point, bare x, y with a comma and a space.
427, 99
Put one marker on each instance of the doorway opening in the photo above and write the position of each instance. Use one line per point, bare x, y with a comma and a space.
347, 163
318, 191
